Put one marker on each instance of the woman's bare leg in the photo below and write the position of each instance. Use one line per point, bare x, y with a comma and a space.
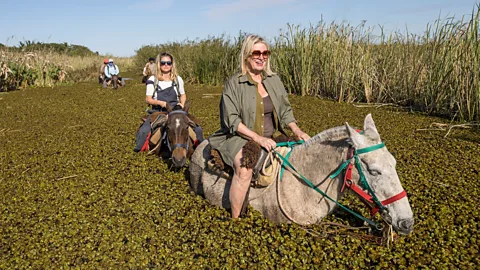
240, 182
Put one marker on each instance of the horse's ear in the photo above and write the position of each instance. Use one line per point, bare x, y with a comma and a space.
369, 125
168, 107
354, 137
186, 106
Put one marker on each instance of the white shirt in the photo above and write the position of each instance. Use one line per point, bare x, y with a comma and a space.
164, 85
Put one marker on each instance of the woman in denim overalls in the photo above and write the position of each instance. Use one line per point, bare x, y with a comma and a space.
165, 86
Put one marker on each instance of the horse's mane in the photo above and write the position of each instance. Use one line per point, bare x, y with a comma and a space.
335, 133
177, 108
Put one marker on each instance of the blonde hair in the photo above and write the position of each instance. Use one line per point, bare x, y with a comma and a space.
247, 49
173, 71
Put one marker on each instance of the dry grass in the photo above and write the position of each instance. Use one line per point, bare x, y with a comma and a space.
48, 68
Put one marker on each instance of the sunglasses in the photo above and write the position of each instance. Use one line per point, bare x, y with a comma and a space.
256, 54
163, 63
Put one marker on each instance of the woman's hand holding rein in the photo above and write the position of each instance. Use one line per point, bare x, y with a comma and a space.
298, 132
161, 103
265, 142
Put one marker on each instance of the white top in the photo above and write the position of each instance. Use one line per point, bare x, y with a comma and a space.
164, 85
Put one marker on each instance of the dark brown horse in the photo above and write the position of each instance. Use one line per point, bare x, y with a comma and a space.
178, 133
115, 82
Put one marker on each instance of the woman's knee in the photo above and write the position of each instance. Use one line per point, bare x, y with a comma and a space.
243, 174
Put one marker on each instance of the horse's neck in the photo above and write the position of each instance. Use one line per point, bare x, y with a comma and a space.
316, 159
321, 155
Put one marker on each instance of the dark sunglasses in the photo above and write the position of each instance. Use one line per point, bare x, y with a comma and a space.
163, 63
256, 54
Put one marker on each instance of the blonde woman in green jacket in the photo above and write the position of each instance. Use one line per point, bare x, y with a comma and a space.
254, 106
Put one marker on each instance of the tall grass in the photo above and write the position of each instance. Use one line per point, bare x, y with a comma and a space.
46, 67
436, 72
207, 61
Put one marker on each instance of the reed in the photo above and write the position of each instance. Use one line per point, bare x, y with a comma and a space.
435, 72
47, 67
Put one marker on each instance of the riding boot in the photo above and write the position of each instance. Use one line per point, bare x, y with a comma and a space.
142, 135
244, 210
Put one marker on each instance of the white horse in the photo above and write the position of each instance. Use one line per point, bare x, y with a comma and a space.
320, 160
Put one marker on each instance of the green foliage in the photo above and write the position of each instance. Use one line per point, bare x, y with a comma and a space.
75, 195
64, 48
20, 74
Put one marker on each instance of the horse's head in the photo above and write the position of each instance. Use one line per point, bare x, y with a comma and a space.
115, 81
177, 134
378, 167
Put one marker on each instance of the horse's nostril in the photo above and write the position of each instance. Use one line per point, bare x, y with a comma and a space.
406, 224
179, 162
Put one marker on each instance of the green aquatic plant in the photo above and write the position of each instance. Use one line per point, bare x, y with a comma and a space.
75, 195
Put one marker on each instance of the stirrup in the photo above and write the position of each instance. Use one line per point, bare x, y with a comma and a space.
258, 166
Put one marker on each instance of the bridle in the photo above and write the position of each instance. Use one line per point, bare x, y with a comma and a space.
347, 166
177, 145
368, 197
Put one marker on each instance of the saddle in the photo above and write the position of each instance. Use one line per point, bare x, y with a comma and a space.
157, 122
264, 165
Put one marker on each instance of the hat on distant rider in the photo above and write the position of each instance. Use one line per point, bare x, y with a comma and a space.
105, 61
110, 60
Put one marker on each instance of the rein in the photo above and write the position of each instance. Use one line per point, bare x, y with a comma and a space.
347, 166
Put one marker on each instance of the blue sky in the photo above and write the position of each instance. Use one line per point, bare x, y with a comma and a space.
122, 26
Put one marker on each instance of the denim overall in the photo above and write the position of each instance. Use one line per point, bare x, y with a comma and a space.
168, 95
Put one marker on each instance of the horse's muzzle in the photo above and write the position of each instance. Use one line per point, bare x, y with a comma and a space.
405, 226
179, 162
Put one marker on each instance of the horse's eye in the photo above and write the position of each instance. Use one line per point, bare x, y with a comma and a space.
371, 171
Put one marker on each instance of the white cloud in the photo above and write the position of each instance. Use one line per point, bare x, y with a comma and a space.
153, 4
220, 11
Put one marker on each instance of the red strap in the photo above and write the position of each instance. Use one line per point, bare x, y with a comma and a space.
389, 201
347, 178
362, 193
145, 146
347, 181
395, 198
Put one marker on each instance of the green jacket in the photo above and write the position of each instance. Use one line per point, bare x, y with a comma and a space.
242, 103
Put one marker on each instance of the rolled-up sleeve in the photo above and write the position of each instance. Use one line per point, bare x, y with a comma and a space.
230, 110
286, 116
